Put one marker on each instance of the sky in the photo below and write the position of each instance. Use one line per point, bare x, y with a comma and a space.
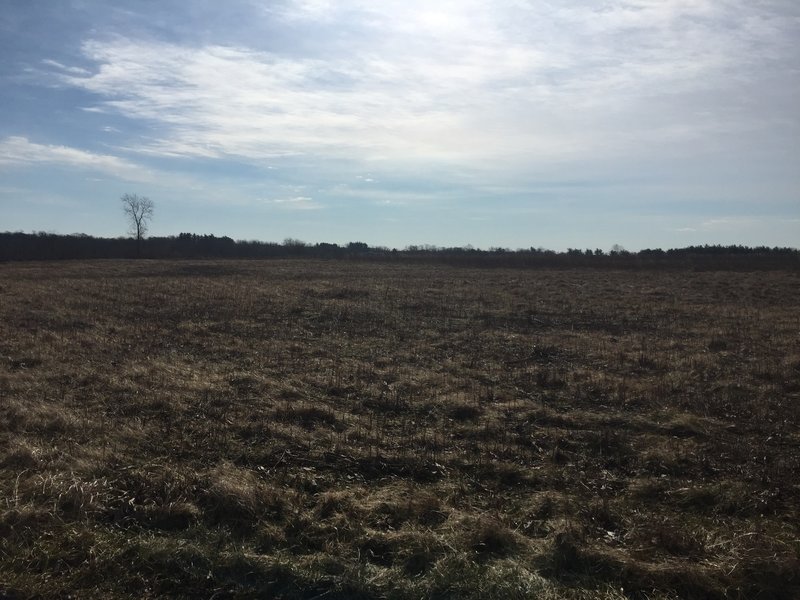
502, 123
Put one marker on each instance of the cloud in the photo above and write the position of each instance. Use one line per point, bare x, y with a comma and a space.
19, 151
455, 83
302, 10
46, 198
730, 223
734, 224
67, 69
749, 230
476, 99
295, 203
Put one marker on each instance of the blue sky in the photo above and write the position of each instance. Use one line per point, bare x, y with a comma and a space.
645, 123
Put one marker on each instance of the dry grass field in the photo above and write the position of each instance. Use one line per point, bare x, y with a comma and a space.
311, 429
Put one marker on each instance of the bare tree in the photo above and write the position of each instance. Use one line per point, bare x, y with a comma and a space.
139, 211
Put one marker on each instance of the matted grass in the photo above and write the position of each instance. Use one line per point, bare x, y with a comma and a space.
302, 429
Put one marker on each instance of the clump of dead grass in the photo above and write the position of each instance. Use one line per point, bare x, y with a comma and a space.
235, 496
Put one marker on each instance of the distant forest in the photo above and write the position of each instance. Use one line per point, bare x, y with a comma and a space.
15, 246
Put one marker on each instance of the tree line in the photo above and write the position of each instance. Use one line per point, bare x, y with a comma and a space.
16, 246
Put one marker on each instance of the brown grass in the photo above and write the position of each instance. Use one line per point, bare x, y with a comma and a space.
302, 429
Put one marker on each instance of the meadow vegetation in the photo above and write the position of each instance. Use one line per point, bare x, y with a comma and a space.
323, 429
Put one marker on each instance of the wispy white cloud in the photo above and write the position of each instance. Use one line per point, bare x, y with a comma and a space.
300, 10
66, 69
477, 83
16, 151
295, 203
737, 224
730, 223
37, 198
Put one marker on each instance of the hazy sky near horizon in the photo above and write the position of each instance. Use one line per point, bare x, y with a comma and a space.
562, 123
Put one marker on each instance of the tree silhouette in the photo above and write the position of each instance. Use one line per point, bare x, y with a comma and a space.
139, 211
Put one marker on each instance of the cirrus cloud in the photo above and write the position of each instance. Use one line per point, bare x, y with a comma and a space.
463, 83
18, 151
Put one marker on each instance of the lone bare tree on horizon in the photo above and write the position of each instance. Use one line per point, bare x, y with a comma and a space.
139, 211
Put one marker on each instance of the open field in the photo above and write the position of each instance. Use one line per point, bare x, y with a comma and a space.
303, 429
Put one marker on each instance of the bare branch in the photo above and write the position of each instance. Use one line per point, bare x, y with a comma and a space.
139, 211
